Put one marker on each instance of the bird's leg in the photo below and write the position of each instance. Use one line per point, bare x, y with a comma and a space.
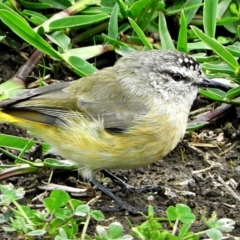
118, 180
128, 187
118, 201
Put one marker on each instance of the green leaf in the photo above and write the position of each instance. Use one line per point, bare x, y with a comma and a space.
150, 210
57, 199
233, 93
114, 42
142, 12
171, 213
222, 7
76, 21
59, 4
115, 230
3, 219
60, 39
63, 213
209, 95
10, 194
123, 8
218, 68
209, 17
34, 17
197, 125
234, 50
59, 164
238, 31
220, 50
184, 230
227, 20
141, 34
38, 233
82, 210
217, 92
190, 9
32, 5
166, 40
101, 231
97, 215
19, 143
182, 35
197, 45
23, 30
214, 234
80, 66
113, 23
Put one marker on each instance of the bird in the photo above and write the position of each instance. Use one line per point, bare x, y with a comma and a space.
125, 116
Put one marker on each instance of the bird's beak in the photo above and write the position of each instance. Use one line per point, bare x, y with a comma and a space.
212, 84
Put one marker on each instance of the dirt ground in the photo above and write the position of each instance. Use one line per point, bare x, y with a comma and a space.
195, 173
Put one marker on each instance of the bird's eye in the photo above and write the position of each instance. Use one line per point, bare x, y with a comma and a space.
177, 76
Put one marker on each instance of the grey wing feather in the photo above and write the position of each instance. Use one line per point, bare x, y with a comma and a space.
94, 99
118, 115
30, 93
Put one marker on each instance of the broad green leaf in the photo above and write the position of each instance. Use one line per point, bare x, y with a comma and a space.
97, 215
209, 17
19, 143
60, 39
24, 31
34, 5
115, 230
204, 58
77, 21
197, 45
220, 50
190, 8
217, 92
37, 233
113, 23
59, 4
57, 199
166, 40
227, 20
182, 35
34, 17
233, 93
218, 68
80, 66
234, 50
222, 7
207, 94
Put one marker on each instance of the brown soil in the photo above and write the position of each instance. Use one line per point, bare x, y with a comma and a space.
190, 174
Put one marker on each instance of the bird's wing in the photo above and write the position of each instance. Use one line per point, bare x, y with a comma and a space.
96, 96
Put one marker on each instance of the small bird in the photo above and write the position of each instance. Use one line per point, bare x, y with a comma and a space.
121, 117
